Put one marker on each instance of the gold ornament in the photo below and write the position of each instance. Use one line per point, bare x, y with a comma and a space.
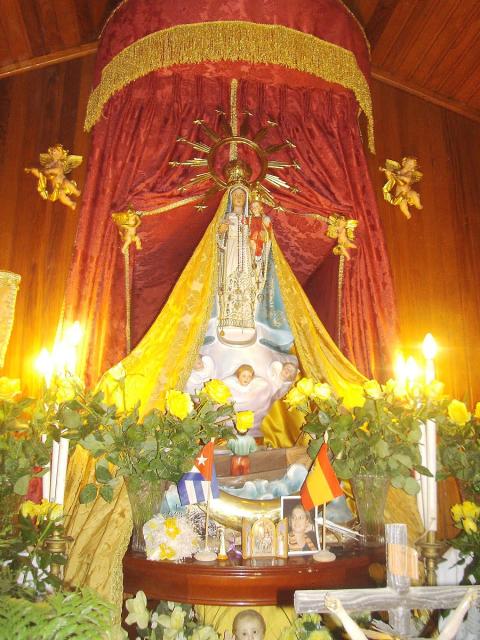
342, 230
56, 163
236, 171
398, 188
128, 223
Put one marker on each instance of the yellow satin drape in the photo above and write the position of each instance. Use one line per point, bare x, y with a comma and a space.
163, 360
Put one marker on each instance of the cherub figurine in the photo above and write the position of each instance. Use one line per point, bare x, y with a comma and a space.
55, 165
343, 231
398, 188
247, 625
128, 223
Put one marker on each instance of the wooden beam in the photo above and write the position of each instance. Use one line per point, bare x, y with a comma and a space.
426, 94
379, 20
49, 59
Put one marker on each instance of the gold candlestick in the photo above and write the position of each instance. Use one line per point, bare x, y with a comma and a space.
431, 550
57, 545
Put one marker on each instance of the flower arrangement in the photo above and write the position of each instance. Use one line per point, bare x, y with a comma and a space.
160, 446
459, 432
169, 538
373, 429
308, 626
25, 558
169, 621
466, 517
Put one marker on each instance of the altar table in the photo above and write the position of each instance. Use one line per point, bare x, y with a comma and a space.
255, 582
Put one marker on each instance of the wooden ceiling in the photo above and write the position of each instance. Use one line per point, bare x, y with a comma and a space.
428, 47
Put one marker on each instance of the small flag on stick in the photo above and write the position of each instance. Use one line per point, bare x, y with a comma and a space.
321, 485
195, 485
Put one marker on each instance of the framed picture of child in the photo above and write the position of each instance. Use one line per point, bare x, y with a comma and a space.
302, 532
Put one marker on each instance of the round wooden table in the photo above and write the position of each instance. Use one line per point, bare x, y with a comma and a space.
237, 582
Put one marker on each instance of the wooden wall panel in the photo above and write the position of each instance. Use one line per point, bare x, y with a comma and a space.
434, 255
38, 109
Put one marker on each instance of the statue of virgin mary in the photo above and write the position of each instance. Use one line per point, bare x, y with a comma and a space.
237, 285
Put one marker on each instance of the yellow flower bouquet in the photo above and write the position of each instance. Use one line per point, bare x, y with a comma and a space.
466, 517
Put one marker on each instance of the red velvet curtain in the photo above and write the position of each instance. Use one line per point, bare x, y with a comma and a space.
128, 164
137, 137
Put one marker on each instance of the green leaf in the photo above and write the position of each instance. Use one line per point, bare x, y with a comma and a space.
106, 492
423, 470
88, 494
398, 482
102, 474
343, 469
382, 449
71, 419
21, 485
403, 459
411, 486
314, 448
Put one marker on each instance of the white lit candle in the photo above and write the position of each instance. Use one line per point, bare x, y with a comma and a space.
429, 351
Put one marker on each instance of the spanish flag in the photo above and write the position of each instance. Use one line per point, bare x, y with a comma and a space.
321, 484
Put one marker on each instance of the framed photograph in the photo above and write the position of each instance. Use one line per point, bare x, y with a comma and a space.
302, 532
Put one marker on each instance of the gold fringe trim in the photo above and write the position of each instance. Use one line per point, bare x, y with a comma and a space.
232, 41
341, 280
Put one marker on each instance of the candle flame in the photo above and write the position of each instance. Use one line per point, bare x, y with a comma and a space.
429, 347
62, 360
412, 370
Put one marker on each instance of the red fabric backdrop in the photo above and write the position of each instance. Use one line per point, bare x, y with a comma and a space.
132, 145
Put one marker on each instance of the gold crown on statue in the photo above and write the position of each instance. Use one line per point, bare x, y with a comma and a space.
237, 171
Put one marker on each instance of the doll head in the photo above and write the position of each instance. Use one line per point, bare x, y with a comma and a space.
248, 625
245, 374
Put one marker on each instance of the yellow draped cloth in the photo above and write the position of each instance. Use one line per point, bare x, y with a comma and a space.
163, 360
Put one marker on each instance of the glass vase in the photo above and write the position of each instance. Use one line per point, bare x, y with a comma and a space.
370, 493
146, 497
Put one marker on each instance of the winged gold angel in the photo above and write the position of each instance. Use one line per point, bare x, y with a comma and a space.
398, 188
56, 163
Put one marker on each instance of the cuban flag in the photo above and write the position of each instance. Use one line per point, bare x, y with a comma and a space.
195, 485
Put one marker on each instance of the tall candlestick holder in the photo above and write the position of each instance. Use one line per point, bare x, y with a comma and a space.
57, 546
431, 551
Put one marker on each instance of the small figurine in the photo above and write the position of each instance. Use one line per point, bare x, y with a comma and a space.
128, 222
259, 225
247, 625
55, 165
401, 177
342, 230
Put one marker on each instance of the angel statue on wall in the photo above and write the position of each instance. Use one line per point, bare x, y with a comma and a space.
55, 165
398, 188
128, 222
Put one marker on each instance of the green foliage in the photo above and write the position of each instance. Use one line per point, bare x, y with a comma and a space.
460, 453
81, 615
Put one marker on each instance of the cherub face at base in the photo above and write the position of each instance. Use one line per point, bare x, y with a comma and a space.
245, 377
249, 625
198, 365
245, 374
288, 372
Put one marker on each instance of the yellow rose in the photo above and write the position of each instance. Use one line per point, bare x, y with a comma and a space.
477, 411
29, 509
373, 390
470, 509
469, 525
458, 412
295, 398
244, 421
179, 404
171, 527
305, 386
217, 391
322, 390
9, 388
353, 397
457, 512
